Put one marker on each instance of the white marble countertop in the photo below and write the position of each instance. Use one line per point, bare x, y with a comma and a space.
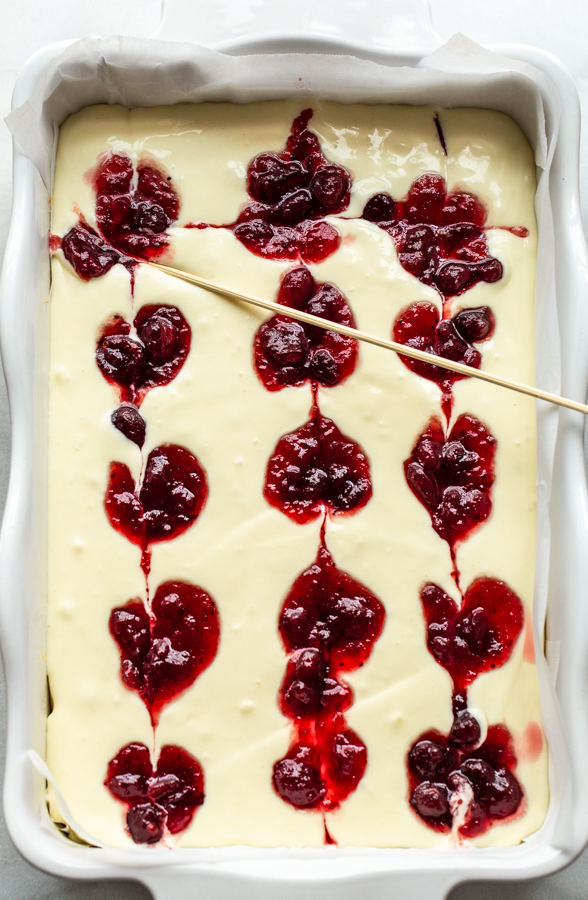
560, 28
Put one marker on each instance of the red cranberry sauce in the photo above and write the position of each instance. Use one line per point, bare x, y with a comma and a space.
164, 652
452, 476
477, 637
323, 766
169, 500
158, 801
291, 193
329, 611
439, 236
447, 772
134, 218
89, 254
150, 358
311, 242
317, 469
289, 353
131, 220
329, 624
444, 775
420, 326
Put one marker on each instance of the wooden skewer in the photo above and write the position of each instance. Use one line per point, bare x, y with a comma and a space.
411, 352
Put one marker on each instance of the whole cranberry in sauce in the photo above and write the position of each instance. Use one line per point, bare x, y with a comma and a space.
88, 253
128, 420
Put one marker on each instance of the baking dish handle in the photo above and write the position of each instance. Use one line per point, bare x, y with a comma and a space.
188, 884
393, 25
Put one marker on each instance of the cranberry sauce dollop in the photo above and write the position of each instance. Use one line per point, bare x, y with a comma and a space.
421, 327
445, 777
131, 220
317, 469
329, 624
439, 236
158, 801
134, 218
452, 476
170, 498
289, 353
163, 652
478, 636
291, 194
151, 357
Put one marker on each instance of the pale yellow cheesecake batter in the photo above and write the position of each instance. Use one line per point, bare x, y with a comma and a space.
245, 553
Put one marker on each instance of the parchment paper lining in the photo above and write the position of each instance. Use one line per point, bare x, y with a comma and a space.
137, 72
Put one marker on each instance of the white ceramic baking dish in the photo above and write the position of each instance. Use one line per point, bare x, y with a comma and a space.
246, 873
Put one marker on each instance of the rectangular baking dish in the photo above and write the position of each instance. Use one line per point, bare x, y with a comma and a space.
246, 872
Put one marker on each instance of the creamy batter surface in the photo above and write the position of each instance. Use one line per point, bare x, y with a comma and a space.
244, 552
